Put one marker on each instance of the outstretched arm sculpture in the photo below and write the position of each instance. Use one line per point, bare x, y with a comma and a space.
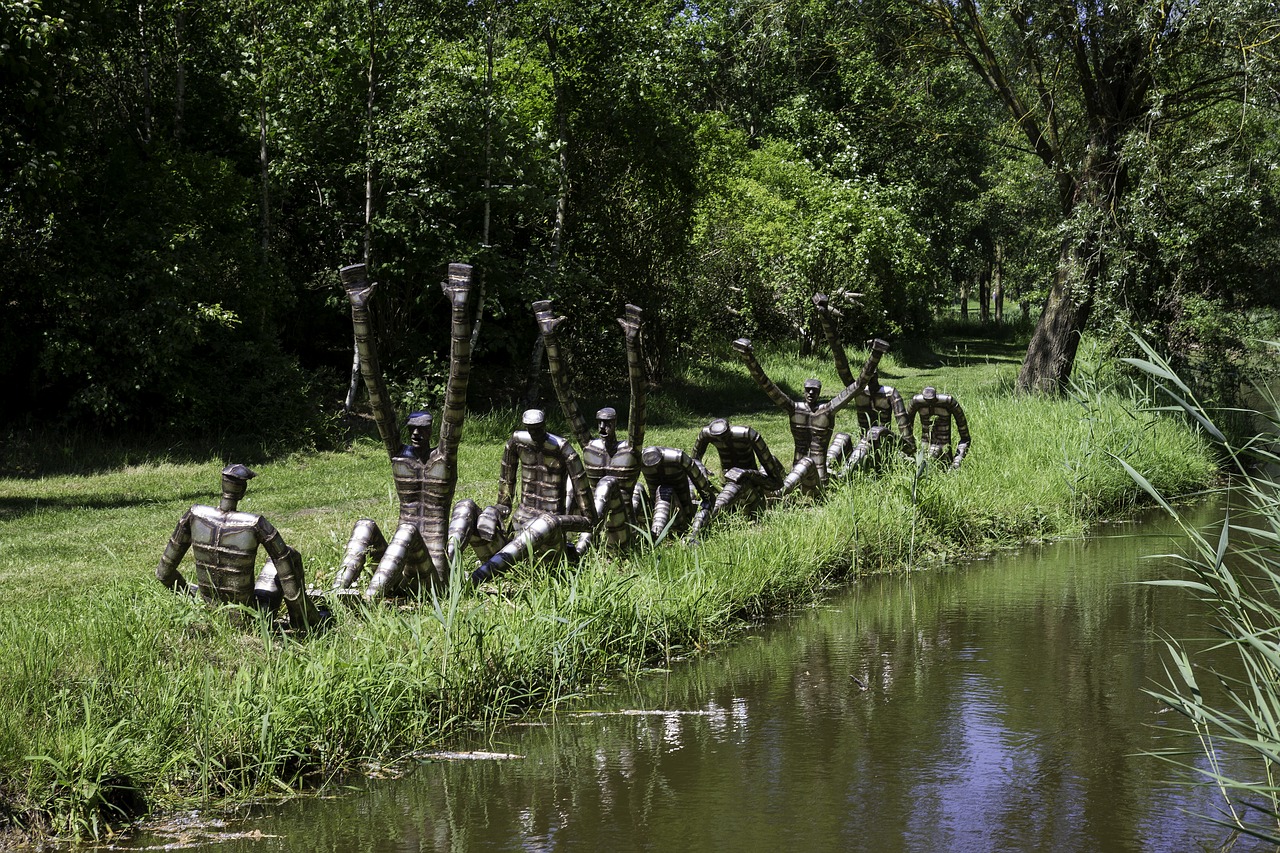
749, 469
548, 467
226, 544
812, 422
937, 412
425, 477
612, 465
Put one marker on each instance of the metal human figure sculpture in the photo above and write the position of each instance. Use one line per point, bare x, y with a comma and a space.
612, 465
817, 445
937, 412
878, 406
672, 477
425, 477
225, 542
551, 480
749, 469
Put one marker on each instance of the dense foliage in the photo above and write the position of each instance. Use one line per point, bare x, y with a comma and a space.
179, 183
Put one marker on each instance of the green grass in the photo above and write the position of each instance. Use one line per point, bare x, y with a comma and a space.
120, 697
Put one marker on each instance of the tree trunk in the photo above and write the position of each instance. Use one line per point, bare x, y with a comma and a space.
984, 294
964, 299
997, 283
1052, 351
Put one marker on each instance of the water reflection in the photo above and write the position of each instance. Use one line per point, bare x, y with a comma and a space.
994, 707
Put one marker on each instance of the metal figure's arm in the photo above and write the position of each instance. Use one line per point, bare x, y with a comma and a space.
700, 445
167, 571
457, 287
289, 573
698, 475
769, 464
912, 411
507, 474
631, 321
829, 331
872, 365
359, 291
743, 347
549, 325
902, 421
962, 429
580, 484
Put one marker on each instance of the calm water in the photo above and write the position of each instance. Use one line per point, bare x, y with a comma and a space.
997, 706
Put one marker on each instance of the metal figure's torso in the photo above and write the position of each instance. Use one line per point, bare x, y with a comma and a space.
623, 463
878, 410
225, 547
935, 419
812, 431
544, 475
425, 489
736, 448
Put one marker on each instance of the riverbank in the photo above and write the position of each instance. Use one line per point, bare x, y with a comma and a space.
122, 698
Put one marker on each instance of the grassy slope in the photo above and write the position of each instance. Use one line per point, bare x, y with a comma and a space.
136, 697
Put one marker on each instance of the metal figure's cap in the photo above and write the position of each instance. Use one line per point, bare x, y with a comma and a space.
533, 417
608, 413
239, 472
813, 383
929, 393
419, 419
651, 456
719, 426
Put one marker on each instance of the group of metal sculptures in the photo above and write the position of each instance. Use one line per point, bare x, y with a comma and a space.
607, 496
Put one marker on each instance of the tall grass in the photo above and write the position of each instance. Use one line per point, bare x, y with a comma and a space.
1235, 573
120, 697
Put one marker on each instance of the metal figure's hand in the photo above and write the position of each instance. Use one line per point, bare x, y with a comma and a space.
457, 284
630, 321
357, 285
743, 346
544, 314
821, 302
879, 345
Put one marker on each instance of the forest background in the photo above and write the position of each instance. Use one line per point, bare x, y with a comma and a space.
179, 183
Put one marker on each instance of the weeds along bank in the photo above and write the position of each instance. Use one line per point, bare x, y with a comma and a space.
120, 697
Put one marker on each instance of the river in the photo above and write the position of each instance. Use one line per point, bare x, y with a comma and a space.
994, 706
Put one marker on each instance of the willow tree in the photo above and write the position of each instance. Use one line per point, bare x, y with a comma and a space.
1080, 81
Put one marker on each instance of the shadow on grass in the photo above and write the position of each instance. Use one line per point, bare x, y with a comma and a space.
12, 507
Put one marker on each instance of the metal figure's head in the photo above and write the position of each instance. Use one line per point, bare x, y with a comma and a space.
812, 388
235, 482
535, 422
718, 427
607, 424
929, 393
419, 424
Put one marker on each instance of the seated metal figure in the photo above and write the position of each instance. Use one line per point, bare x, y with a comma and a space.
226, 544
612, 465
425, 477
749, 469
878, 406
817, 445
551, 479
672, 478
936, 413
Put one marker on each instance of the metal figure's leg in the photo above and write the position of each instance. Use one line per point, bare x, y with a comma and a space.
266, 589
839, 450
401, 566
367, 544
662, 508
612, 510
540, 536
803, 476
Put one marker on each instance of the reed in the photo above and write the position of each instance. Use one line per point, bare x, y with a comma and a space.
121, 698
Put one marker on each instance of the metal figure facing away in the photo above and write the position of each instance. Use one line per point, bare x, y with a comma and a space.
749, 469
612, 465
551, 477
225, 542
672, 478
937, 412
817, 445
425, 477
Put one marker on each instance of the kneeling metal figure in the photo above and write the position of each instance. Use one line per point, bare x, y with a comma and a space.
551, 479
421, 550
612, 465
749, 469
817, 445
672, 478
225, 542
937, 412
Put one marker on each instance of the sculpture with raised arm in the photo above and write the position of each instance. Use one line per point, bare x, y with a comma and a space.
225, 542
551, 478
937, 412
612, 465
425, 477
817, 445
750, 471
879, 407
